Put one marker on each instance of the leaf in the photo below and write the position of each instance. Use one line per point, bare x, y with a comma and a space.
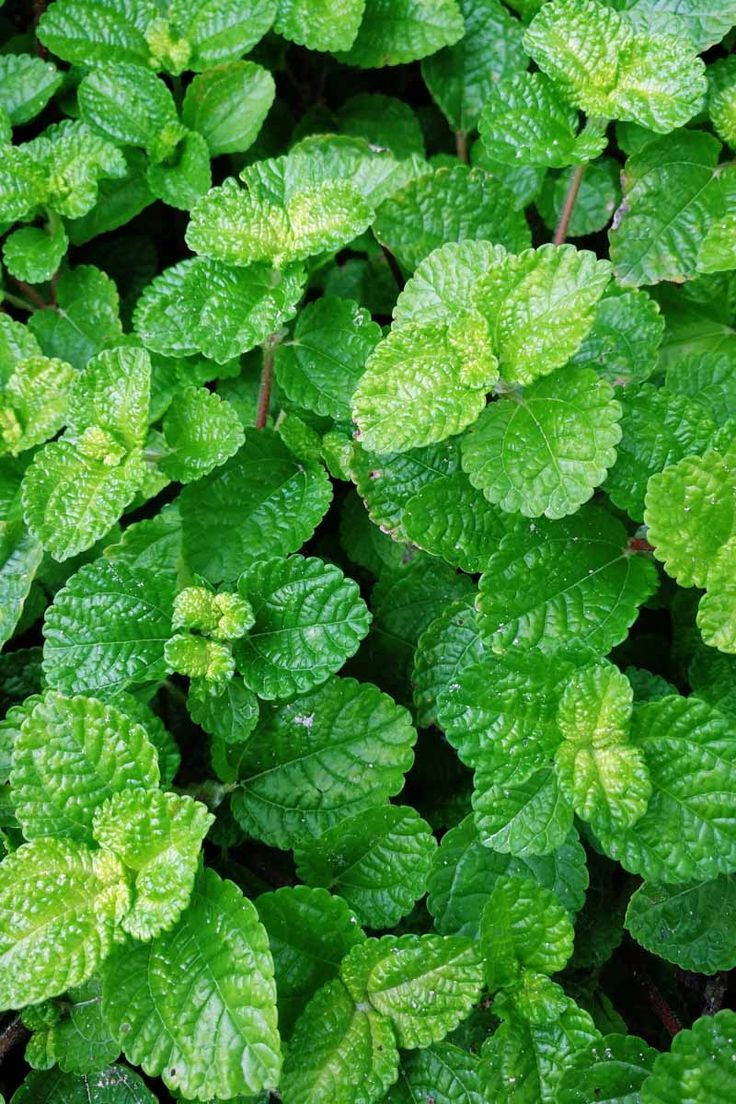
78, 1040
219, 32
690, 514
460, 78
16, 343
309, 932
230, 715
74, 160
423, 384
35, 254
519, 810
525, 122
598, 197
87, 320
27, 84
523, 926
606, 68
60, 903
201, 432
320, 758
612, 1069
309, 620
383, 121
130, 106
447, 646
320, 25
543, 451
692, 925
339, 1052
601, 773
699, 1066
671, 196
106, 629
186, 176
110, 1085
320, 365
704, 28
70, 755
423, 984
82, 34
33, 403
209, 1029
448, 205
580, 583
394, 32
291, 207
445, 284
262, 502
377, 861
717, 611
464, 873
228, 105
685, 834
20, 558
443, 1071
157, 836
623, 344
112, 392
119, 199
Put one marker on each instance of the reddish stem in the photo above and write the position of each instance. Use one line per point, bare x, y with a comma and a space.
264, 391
31, 294
10, 1036
569, 205
658, 1004
639, 544
461, 145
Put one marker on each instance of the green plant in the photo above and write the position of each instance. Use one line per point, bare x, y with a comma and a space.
368, 559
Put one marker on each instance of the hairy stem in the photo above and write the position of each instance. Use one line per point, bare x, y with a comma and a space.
393, 264
264, 391
461, 145
10, 1035
569, 205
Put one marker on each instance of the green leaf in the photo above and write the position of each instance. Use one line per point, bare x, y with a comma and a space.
612, 1069
217, 33
320, 365
341, 1051
78, 1040
27, 84
598, 196
34, 254
394, 32
565, 581
445, 285
525, 122
519, 810
309, 932
546, 449
309, 620
423, 984
447, 646
157, 836
540, 305
202, 306
112, 393
228, 105
601, 773
319, 24
70, 755
169, 756
444, 1072
201, 432
208, 1029
523, 926
672, 195
107, 628
464, 873
624, 341
461, 77
131, 106
82, 34
448, 205
74, 160
686, 833
704, 27
606, 68
699, 1067
262, 502
291, 207
20, 558
322, 757
16, 343
230, 715
87, 318
383, 121
110, 1085
60, 904
119, 200
692, 925
690, 514
378, 861
717, 612
185, 176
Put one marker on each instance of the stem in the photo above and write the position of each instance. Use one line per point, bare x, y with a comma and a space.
639, 544
10, 1036
209, 792
38, 9
568, 206
31, 293
461, 145
16, 301
658, 1004
264, 391
393, 264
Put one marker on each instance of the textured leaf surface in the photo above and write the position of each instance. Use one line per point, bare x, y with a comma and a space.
692, 925
308, 764
442, 1071
107, 628
228, 104
394, 32
612, 1069
201, 432
319, 24
378, 861
34, 402
699, 1067
624, 340
518, 810
717, 611
59, 904
446, 647
387, 483
27, 83
209, 1028
523, 926
78, 1040
309, 620
110, 1085
545, 450
130, 106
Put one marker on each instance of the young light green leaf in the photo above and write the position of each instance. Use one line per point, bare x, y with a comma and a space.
423, 984
209, 1029
34, 254
74, 160
309, 620
158, 836
70, 755
320, 365
112, 393
324, 756
544, 450
523, 926
692, 925
107, 628
262, 502
704, 27
228, 104
20, 557
309, 932
320, 24
445, 284
33, 402
60, 904
699, 1067
201, 432
612, 1069
394, 32
717, 611
378, 861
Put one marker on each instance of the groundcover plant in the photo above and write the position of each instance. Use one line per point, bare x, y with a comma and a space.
368, 551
